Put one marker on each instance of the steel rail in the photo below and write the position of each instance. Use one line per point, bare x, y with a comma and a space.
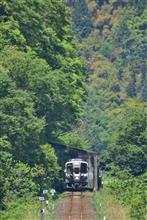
81, 211
71, 204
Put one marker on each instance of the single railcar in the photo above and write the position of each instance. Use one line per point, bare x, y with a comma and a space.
76, 174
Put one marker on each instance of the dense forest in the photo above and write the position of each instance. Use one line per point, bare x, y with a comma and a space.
72, 71
41, 94
113, 42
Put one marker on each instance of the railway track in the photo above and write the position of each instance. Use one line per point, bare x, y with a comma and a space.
75, 206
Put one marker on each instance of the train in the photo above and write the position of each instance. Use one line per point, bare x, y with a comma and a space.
76, 174
82, 174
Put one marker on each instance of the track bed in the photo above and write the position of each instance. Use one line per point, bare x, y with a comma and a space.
75, 206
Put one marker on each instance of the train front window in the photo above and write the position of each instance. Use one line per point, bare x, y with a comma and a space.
69, 168
83, 168
76, 170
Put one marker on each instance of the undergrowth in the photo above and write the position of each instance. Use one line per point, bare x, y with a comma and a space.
108, 208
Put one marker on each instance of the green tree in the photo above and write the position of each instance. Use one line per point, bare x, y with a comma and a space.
127, 129
82, 25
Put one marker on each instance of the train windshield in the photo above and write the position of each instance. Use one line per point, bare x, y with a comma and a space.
69, 168
83, 168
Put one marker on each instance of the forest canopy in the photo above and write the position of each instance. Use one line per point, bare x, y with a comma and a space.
41, 93
72, 71
112, 36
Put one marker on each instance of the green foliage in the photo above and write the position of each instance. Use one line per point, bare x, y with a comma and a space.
129, 35
114, 121
41, 96
20, 125
15, 177
11, 34
108, 206
130, 122
127, 128
20, 206
25, 208
131, 191
74, 139
20, 181
43, 25
49, 161
125, 157
106, 49
82, 25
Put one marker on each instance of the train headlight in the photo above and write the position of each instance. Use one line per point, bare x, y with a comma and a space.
84, 176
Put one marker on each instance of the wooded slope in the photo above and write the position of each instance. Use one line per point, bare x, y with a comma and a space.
41, 94
113, 42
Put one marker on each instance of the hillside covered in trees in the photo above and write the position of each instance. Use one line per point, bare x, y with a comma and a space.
113, 42
87, 90
41, 95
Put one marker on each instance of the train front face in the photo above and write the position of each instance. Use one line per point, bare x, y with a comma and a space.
76, 173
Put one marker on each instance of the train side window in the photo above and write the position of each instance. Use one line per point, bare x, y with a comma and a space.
84, 168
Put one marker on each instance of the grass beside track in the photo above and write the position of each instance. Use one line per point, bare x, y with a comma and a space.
108, 208
28, 209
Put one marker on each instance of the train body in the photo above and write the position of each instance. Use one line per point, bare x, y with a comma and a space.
76, 174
